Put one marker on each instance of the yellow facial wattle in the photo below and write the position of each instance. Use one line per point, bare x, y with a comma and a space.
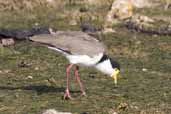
115, 74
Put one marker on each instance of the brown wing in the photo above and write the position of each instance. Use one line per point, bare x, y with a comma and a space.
75, 42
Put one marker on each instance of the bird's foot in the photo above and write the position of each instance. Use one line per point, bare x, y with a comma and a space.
67, 95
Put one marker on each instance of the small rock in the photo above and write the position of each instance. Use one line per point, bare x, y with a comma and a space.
92, 75
36, 24
16, 95
52, 80
122, 106
50, 111
23, 63
114, 113
47, 82
7, 71
50, 1
142, 20
51, 31
7, 41
29, 77
144, 69
36, 68
53, 111
121, 9
168, 4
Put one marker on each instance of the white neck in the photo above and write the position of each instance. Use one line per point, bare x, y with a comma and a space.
105, 67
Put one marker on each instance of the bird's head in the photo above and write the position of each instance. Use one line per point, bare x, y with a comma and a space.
109, 66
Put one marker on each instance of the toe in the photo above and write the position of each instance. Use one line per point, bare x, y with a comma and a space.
67, 97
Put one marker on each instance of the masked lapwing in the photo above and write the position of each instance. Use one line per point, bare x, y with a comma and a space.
80, 49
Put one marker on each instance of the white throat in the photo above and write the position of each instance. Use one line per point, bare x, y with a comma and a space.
105, 67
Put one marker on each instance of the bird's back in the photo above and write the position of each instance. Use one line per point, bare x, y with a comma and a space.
75, 42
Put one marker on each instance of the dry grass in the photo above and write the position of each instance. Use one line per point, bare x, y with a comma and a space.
8, 5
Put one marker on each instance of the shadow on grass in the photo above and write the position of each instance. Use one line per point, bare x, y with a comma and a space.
40, 89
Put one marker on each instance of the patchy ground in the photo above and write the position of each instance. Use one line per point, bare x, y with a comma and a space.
143, 88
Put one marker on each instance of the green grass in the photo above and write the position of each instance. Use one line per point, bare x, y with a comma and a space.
144, 92
140, 90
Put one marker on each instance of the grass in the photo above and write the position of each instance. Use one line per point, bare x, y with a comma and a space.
41, 84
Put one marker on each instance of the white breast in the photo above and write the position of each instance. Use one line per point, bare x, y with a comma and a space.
84, 59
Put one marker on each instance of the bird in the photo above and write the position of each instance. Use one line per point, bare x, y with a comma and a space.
80, 49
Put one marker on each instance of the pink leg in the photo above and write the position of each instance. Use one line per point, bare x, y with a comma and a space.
67, 93
79, 81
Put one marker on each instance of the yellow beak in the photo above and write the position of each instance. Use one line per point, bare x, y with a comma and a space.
115, 75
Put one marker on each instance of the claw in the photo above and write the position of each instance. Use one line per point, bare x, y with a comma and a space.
67, 95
